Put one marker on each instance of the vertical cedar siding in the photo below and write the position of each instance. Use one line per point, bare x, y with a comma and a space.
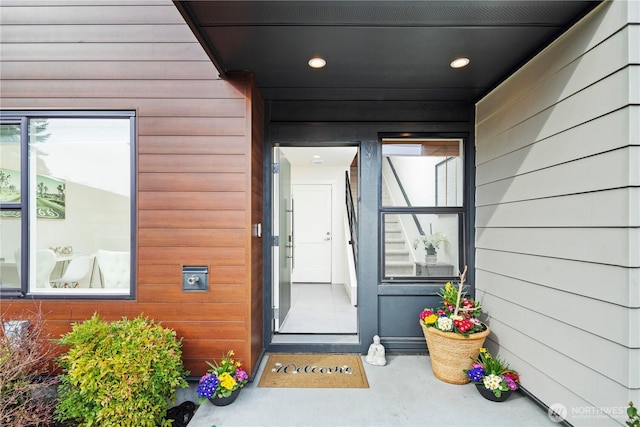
199, 160
558, 218
257, 200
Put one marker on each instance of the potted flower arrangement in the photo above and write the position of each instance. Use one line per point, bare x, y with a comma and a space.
492, 376
431, 243
223, 381
453, 333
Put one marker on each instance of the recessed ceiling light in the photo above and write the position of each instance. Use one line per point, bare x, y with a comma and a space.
317, 62
460, 62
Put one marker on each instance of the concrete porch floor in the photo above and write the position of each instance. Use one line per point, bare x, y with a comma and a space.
402, 393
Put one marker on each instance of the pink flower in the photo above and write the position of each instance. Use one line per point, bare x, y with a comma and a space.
425, 314
510, 383
241, 375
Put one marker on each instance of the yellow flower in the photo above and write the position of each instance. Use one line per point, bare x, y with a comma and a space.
430, 319
448, 287
483, 350
231, 353
227, 381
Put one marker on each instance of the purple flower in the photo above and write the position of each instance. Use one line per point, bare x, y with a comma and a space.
241, 375
208, 386
476, 374
510, 383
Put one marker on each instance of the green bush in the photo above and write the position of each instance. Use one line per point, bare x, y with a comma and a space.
122, 373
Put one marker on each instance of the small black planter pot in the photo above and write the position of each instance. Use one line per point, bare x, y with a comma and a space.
488, 394
224, 401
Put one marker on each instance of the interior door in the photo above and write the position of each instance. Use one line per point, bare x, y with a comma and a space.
283, 233
312, 231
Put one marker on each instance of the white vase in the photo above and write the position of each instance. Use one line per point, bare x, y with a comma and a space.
431, 259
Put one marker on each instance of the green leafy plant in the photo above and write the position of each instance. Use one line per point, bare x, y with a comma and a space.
634, 417
25, 372
122, 373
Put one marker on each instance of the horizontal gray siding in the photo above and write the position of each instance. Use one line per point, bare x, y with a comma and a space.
558, 217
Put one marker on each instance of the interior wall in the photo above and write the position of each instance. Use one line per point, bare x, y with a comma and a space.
335, 177
85, 208
557, 218
94, 219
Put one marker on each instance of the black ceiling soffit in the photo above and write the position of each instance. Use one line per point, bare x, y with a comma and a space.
377, 50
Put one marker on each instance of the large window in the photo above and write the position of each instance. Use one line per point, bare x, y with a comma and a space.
66, 188
422, 209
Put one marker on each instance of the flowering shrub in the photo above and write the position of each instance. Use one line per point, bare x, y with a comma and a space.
222, 378
458, 312
493, 373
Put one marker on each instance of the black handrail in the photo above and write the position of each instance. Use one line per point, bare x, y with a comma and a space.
406, 198
353, 220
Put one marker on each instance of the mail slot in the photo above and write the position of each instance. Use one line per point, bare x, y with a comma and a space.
195, 278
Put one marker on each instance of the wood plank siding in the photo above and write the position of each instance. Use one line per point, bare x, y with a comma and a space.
558, 217
199, 160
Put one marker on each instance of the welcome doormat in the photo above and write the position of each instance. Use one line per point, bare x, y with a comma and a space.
314, 370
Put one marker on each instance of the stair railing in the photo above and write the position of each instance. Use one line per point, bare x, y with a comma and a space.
353, 220
404, 195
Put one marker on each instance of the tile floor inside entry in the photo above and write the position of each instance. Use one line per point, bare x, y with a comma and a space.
320, 308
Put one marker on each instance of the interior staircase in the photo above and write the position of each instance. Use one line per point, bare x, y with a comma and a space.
397, 257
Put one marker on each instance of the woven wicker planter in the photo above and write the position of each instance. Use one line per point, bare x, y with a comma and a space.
450, 353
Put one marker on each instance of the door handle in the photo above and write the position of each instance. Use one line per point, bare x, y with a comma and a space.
292, 239
328, 237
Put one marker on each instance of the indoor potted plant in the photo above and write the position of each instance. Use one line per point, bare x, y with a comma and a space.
453, 333
223, 381
492, 376
430, 243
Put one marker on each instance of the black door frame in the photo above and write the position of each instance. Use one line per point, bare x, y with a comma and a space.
365, 126
333, 343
